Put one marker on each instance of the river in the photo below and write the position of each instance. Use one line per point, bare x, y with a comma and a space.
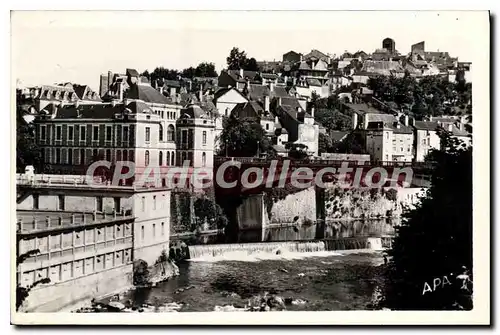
306, 273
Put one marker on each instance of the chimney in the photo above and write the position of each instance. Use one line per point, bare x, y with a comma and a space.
461, 126
241, 73
266, 103
406, 120
276, 120
430, 118
294, 81
271, 87
301, 57
200, 95
110, 79
450, 127
120, 88
354, 120
172, 93
312, 112
286, 80
279, 101
412, 121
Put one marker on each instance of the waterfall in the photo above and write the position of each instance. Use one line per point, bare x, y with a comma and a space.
245, 249
282, 249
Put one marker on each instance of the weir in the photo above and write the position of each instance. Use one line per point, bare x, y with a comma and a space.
277, 248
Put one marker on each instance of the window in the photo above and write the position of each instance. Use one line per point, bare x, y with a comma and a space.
125, 134
142, 232
160, 158
117, 205
154, 202
125, 155
70, 133
204, 137
387, 135
70, 156
94, 154
82, 156
190, 158
108, 155
43, 133
82, 133
118, 155
58, 133
98, 204
61, 202
267, 126
143, 204
184, 138
162, 228
36, 201
170, 133
58, 155
203, 159
146, 158
160, 133
148, 134
108, 133
95, 133
154, 230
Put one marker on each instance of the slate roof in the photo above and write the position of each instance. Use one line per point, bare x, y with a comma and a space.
138, 107
271, 76
290, 101
146, 93
362, 108
132, 72
257, 92
337, 135
279, 91
316, 54
426, 125
194, 111
246, 74
88, 111
220, 92
313, 82
382, 67
304, 66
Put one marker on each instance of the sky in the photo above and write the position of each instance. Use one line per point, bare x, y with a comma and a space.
77, 46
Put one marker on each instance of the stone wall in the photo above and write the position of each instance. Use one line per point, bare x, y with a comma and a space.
296, 208
251, 213
64, 295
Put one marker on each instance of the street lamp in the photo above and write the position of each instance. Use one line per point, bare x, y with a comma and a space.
226, 148
258, 149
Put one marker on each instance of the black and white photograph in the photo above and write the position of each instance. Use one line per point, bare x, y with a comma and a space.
205, 162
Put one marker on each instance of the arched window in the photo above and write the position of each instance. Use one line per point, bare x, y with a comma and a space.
160, 158
203, 159
168, 158
172, 159
146, 158
170, 133
161, 133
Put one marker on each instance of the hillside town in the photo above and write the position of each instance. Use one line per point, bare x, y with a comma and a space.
313, 108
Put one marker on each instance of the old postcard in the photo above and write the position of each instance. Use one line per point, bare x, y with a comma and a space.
176, 163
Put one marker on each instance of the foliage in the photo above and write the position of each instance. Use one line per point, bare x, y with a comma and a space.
238, 60
332, 119
431, 95
392, 194
352, 144
435, 238
202, 70
141, 273
206, 210
27, 151
243, 137
297, 150
23, 292
324, 143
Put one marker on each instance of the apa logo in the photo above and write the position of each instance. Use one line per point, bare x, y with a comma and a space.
439, 282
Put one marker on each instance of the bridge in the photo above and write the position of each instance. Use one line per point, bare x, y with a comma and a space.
283, 169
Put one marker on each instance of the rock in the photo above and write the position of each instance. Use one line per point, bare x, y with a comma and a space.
288, 301
278, 252
298, 302
117, 305
283, 270
301, 274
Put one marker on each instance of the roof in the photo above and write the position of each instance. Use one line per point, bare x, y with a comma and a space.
304, 66
132, 72
88, 111
362, 108
194, 111
280, 91
426, 125
257, 92
316, 54
382, 67
138, 107
269, 76
313, 82
337, 135
172, 83
246, 74
279, 148
290, 101
146, 93
220, 92
395, 126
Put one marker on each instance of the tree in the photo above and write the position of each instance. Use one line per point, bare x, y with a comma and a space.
297, 150
189, 72
243, 138
324, 143
206, 210
237, 59
435, 239
27, 151
251, 65
205, 70
352, 144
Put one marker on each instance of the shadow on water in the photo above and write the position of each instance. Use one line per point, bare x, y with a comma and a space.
314, 231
